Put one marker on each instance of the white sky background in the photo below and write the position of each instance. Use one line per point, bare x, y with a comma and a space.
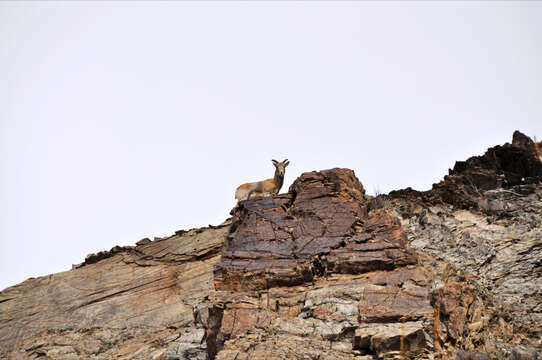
121, 120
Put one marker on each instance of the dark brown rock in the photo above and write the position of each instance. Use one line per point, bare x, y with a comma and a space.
320, 228
313, 264
322, 272
500, 167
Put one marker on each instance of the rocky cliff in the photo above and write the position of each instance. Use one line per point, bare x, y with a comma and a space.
321, 272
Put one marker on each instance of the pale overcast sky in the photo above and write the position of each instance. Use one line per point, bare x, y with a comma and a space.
120, 121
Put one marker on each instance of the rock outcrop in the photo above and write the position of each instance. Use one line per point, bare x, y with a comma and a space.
304, 272
131, 302
321, 272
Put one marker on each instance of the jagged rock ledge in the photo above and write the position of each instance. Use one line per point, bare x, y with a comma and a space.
319, 228
322, 272
501, 167
314, 264
170, 249
131, 302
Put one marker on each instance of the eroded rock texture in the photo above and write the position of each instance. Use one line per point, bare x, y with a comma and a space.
486, 232
320, 227
130, 303
303, 273
321, 272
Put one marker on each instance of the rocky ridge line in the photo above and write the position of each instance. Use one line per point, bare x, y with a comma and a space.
322, 272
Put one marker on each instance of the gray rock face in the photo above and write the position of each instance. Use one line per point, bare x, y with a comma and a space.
499, 247
190, 346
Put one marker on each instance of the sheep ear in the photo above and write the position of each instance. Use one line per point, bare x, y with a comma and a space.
286, 162
275, 162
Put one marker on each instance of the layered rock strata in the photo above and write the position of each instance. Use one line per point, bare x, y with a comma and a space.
321, 272
129, 303
493, 236
310, 273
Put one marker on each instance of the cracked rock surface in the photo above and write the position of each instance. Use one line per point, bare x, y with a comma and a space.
321, 272
302, 272
130, 303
